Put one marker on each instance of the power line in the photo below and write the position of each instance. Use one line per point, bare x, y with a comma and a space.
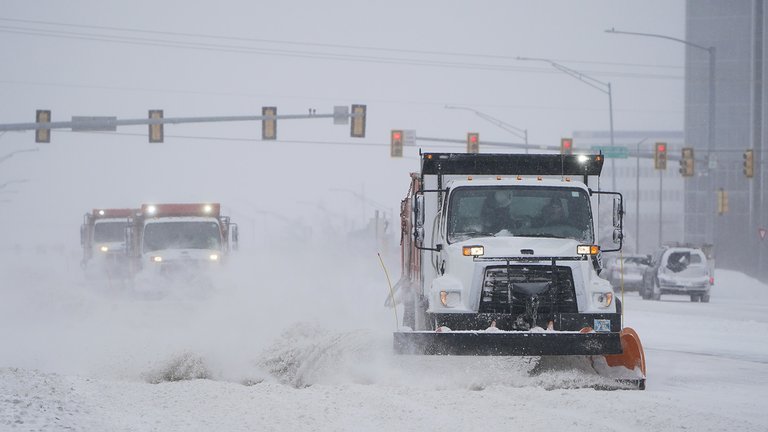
319, 44
237, 49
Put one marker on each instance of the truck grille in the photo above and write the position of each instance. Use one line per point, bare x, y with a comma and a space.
500, 296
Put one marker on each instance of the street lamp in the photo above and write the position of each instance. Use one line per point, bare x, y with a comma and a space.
9, 155
520, 133
604, 87
711, 52
3, 185
365, 200
637, 195
711, 129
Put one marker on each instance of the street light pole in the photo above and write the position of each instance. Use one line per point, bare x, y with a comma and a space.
711, 114
520, 133
3, 185
637, 196
365, 200
9, 155
604, 87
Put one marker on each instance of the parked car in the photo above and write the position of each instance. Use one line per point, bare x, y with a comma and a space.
633, 267
678, 270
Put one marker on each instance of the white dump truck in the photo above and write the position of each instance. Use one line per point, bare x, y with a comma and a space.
102, 237
500, 257
179, 239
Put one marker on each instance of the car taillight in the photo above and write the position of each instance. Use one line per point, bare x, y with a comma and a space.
711, 280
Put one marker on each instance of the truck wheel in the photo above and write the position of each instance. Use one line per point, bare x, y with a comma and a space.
656, 291
644, 292
422, 320
704, 298
695, 297
409, 313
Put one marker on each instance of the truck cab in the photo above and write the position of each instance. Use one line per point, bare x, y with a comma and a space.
102, 237
486, 221
176, 239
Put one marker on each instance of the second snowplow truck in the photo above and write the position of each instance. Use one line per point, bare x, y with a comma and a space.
500, 257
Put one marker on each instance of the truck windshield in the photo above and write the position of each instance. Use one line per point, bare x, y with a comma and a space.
521, 211
181, 235
109, 232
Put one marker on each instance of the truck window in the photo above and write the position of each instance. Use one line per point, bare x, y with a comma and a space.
181, 235
522, 211
109, 232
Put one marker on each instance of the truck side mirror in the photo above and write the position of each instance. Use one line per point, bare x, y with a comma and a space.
129, 247
418, 236
235, 234
418, 210
618, 212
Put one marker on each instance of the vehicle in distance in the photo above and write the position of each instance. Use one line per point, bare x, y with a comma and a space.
678, 270
628, 271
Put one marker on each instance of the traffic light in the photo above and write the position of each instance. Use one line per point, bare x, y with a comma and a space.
43, 135
156, 133
749, 164
473, 142
269, 126
357, 130
722, 201
566, 146
660, 156
396, 146
686, 163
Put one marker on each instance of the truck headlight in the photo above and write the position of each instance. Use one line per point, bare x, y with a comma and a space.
157, 259
450, 299
603, 300
473, 250
213, 257
104, 249
587, 249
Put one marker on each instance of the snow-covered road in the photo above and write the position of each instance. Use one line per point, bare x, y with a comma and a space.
291, 350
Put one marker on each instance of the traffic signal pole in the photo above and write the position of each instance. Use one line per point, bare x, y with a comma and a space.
110, 123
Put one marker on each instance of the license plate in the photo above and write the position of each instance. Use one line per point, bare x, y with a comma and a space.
602, 325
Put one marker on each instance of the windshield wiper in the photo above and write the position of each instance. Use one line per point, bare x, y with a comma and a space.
474, 234
542, 235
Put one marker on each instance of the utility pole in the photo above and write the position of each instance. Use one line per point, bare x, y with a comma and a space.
604, 87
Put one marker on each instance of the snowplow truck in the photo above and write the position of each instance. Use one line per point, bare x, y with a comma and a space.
499, 257
166, 239
102, 237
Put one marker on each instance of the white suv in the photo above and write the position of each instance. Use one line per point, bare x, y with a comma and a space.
678, 270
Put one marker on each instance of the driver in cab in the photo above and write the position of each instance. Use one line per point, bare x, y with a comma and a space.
498, 214
552, 214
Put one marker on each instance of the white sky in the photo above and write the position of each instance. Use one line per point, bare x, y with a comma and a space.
72, 69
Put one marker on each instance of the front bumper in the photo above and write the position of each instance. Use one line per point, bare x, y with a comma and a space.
561, 321
668, 289
507, 343
683, 287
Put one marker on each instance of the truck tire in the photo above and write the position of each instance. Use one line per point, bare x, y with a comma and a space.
409, 313
695, 297
704, 298
422, 320
655, 290
644, 293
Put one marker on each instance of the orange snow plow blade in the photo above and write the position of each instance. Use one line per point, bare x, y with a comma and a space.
632, 356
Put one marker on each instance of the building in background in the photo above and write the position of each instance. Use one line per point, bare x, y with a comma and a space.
737, 31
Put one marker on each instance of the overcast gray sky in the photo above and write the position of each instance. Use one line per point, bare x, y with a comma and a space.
404, 59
